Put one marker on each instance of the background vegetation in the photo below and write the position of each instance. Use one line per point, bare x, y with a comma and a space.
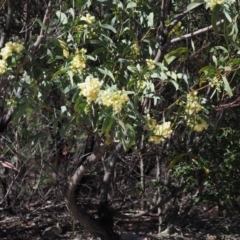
140, 97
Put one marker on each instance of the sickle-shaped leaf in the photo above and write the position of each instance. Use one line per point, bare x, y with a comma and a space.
193, 5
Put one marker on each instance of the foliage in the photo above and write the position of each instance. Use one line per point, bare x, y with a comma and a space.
134, 72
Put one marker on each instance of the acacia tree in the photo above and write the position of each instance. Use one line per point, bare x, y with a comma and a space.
131, 74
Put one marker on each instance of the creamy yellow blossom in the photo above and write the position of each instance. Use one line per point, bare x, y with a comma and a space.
135, 49
141, 84
10, 48
90, 88
151, 123
114, 99
3, 67
213, 3
150, 64
192, 106
11, 102
78, 63
197, 124
215, 83
17, 47
88, 18
160, 132
5, 52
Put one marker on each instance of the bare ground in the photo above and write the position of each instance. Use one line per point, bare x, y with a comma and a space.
38, 222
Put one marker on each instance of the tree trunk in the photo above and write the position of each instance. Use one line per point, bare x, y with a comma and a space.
95, 227
104, 213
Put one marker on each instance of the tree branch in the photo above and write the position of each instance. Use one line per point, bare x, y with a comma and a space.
176, 20
200, 31
45, 21
165, 31
8, 24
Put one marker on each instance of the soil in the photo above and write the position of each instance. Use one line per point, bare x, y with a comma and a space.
53, 221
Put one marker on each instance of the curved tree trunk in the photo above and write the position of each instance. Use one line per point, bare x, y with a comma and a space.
95, 227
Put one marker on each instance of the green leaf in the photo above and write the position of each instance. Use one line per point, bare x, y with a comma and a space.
225, 30
235, 61
193, 5
55, 125
122, 125
193, 45
70, 74
107, 125
176, 160
227, 69
174, 76
64, 48
79, 105
215, 60
150, 18
62, 17
131, 135
106, 72
19, 112
220, 48
107, 38
63, 109
131, 5
109, 27
106, 2
208, 70
227, 86
122, 138
64, 129
235, 45
170, 57
175, 84
72, 12
226, 13
214, 18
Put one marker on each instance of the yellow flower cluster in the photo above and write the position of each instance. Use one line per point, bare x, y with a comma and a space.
90, 88
215, 83
114, 99
160, 132
135, 50
79, 61
151, 123
197, 124
11, 102
213, 3
88, 18
141, 84
6, 52
10, 48
150, 64
3, 67
177, 30
192, 106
